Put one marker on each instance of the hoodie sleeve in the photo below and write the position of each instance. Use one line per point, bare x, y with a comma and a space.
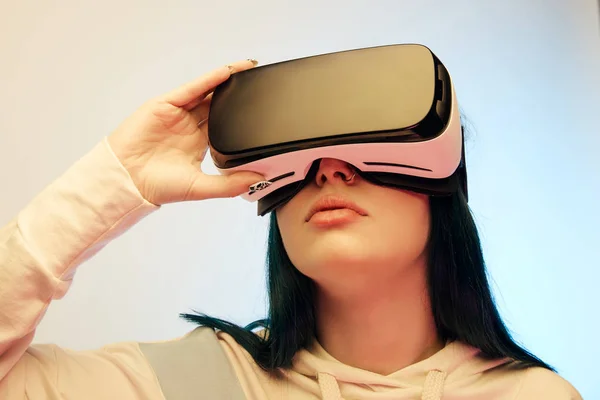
73, 218
540, 383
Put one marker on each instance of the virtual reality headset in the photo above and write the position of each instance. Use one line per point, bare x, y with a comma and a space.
389, 111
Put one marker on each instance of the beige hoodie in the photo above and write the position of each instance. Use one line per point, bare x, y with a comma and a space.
94, 202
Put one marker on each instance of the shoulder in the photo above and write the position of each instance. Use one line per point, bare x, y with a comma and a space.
541, 383
201, 339
196, 360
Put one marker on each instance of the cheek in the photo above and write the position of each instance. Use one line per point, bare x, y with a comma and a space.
403, 232
288, 229
399, 228
290, 221
297, 245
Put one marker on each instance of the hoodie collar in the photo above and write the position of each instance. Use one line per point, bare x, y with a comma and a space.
426, 378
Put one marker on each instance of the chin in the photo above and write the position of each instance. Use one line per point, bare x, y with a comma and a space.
355, 258
336, 253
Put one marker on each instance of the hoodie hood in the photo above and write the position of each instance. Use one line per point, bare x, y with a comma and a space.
456, 365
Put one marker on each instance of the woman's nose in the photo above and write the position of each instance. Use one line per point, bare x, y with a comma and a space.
332, 170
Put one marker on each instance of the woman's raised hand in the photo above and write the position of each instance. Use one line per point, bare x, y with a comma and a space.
163, 143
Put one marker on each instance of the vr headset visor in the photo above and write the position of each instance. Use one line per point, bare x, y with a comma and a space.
389, 111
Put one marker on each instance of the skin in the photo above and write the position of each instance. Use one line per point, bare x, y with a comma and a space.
372, 308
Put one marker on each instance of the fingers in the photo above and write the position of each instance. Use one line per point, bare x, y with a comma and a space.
199, 100
199, 87
200, 112
221, 186
240, 66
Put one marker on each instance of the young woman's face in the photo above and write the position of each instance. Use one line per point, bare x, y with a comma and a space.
380, 230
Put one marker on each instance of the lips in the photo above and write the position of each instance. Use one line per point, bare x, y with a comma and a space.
332, 202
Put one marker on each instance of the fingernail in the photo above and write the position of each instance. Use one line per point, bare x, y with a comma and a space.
253, 61
259, 186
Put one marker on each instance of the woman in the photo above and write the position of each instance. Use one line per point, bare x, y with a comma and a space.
389, 301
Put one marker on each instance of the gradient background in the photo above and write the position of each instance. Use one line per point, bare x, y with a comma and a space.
527, 76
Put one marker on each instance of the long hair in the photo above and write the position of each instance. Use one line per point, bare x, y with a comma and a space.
461, 299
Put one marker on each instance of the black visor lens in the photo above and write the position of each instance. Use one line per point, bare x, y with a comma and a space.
332, 95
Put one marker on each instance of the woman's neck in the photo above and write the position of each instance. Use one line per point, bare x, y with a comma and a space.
378, 326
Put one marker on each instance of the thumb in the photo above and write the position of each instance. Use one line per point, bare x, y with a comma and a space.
221, 186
